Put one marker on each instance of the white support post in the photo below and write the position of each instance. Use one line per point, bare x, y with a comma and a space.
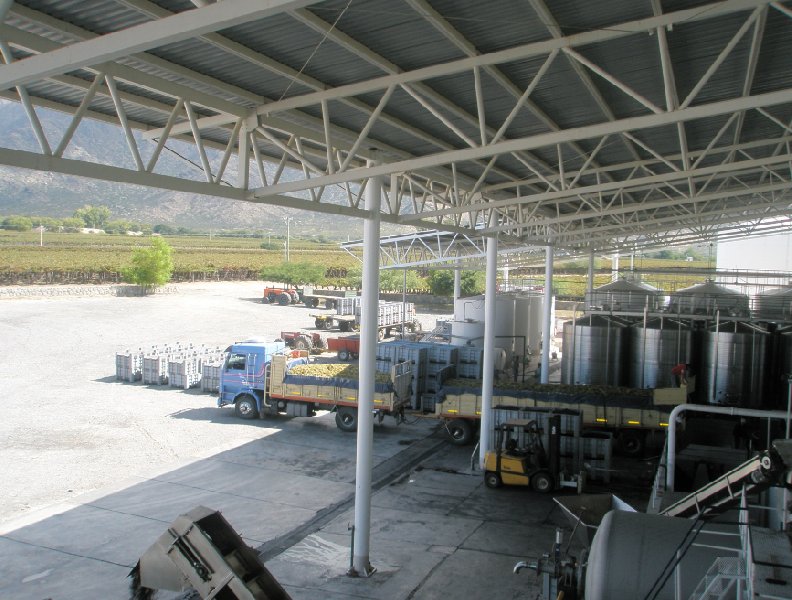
243, 170
368, 348
590, 280
457, 283
488, 375
547, 333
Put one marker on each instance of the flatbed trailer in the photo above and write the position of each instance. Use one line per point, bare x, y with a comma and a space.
629, 417
312, 298
266, 388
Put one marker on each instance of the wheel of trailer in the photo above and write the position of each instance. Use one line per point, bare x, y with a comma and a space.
346, 418
380, 334
328, 303
328, 324
343, 355
284, 299
460, 431
314, 302
632, 442
542, 482
302, 343
245, 407
492, 480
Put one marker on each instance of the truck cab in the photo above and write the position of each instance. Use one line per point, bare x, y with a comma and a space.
243, 379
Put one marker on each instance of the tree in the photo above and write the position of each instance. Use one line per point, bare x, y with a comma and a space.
72, 224
93, 216
441, 283
17, 223
295, 273
392, 280
152, 266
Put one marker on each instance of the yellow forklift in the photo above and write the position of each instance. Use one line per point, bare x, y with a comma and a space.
520, 458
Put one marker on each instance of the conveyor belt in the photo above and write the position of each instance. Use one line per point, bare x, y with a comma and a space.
752, 476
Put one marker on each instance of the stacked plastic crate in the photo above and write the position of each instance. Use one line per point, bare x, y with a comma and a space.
441, 366
129, 365
155, 366
347, 306
470, 362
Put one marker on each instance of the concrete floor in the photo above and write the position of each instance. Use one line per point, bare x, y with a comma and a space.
436, 529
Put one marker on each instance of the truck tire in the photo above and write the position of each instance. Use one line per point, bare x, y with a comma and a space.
542, 482
284, 299
460, 432
245, 407
343, 355
632, 442
343, 326
346, 418
328, 324
319, 323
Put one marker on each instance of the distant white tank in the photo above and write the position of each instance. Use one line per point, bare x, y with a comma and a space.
528, 310
472, 309
467, 333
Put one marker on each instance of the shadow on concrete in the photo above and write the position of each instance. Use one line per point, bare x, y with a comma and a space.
267, 488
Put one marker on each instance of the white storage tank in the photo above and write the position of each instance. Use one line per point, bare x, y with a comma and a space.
467, 333
472, 309
528, 310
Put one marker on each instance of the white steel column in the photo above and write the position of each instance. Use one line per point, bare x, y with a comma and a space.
457, 283
368, 351
488, 376
590, 281
547, 334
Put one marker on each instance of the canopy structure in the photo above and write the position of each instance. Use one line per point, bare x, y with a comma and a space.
569, 127
586, 126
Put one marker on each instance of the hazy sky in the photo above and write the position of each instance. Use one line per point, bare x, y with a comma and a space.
768, 253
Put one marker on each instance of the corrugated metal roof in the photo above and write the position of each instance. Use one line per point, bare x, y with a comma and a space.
311, 52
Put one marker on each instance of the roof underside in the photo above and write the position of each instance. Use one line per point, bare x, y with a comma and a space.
588, 126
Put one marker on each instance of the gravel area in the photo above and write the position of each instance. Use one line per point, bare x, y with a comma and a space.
68, 427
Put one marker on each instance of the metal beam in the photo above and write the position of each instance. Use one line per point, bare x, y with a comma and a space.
111, 46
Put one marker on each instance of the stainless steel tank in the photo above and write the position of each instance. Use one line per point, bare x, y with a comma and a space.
655, 349
709, 298
624, 295
593, 351
735, 358
774, 305
631, 550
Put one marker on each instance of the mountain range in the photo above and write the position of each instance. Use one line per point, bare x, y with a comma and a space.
39, 193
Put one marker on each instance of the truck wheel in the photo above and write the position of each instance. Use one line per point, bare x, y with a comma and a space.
328, 324
380, 334
245, 407
343, 355
632, 442
460, 432
492, 480
343, 326
346, 418
542, 482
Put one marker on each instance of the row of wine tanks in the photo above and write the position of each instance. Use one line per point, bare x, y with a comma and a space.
735, 362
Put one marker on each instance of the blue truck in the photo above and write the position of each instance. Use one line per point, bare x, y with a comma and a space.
258, 380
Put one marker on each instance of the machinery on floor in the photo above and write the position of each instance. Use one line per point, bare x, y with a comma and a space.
201, 551
685, 551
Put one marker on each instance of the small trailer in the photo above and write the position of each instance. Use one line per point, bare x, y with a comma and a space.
346, 348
